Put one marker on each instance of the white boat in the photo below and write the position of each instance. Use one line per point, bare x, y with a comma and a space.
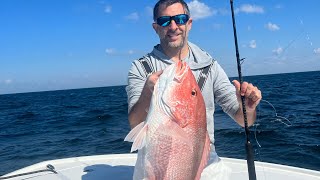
121, 166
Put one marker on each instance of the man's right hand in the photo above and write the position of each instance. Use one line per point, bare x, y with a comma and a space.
152, 79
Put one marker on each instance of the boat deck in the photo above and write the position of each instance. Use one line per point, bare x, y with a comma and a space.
121, 166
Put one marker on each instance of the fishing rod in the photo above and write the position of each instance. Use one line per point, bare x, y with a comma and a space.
249, 150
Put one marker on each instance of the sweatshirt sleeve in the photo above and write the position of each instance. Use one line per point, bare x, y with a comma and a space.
136, 81
224, 91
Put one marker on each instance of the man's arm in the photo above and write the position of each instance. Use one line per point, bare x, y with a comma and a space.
251, 116
138, 112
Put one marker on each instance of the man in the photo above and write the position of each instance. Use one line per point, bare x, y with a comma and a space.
172, 23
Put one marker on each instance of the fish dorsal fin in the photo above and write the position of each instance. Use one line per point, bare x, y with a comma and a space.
138, 136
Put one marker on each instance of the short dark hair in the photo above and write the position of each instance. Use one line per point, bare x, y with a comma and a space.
166, 3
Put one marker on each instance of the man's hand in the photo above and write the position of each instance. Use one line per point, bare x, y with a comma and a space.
251, 93
152, 79
252, 98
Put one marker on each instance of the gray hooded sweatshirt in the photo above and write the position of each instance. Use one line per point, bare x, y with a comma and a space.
217, 88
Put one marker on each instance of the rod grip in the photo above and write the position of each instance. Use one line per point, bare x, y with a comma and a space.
250, 161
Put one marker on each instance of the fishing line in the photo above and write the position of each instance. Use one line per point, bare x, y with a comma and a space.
307, 34
277, 118
255, 125
297, 37
291, 42
183, 42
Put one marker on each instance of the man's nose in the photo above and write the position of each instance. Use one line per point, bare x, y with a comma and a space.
173, 24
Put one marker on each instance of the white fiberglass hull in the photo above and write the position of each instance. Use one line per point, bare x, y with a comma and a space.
121, 166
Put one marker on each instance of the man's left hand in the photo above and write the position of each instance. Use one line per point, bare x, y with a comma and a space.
251, 93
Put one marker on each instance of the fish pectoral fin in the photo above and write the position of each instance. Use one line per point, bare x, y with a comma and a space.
134, 132
205, 156
140, 139
173, 130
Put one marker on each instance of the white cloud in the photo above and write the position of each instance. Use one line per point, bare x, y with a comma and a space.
149, 11
223, 11
114, 52
272, 27
110, 51
217, 26
8, 81
200, 10
133, 16
317, 51
253, 44
108, 9
278, 51
278, 6
248, 8
69, 54
130, 52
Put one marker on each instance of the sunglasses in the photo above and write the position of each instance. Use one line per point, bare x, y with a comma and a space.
179, 19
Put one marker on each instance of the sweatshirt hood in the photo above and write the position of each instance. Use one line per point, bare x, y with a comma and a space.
197, 59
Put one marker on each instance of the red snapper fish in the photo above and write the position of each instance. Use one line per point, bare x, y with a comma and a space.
173, 142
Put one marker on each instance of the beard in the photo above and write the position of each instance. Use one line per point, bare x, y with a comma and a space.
164, 39
177, 44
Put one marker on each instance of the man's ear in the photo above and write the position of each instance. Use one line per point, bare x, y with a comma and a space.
155, 27
189, 24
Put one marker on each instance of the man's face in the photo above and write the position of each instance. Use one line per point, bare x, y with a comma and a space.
172, 36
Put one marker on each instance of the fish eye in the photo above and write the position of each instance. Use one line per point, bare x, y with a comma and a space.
193, 92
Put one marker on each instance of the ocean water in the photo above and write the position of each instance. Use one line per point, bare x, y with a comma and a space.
41, 126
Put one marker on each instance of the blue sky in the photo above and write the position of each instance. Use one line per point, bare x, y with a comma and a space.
52, 44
